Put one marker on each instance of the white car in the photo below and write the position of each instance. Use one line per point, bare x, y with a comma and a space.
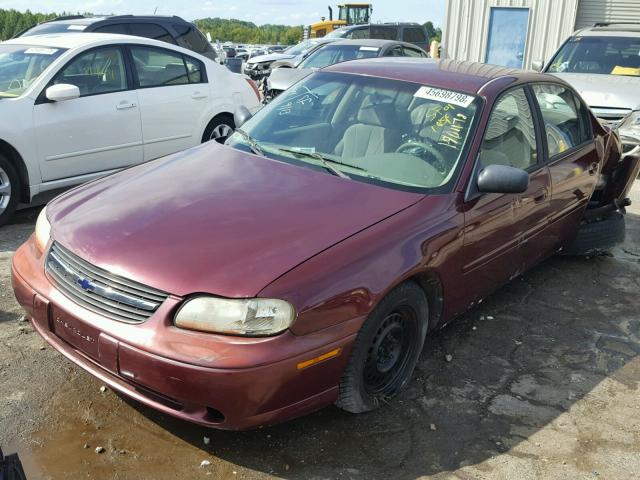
78, 106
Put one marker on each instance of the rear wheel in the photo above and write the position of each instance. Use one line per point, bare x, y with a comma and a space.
386, 350
219, 129
9, 190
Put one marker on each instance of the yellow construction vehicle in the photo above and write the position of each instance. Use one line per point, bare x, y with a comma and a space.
348, 14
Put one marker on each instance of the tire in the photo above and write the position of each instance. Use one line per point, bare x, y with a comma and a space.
219, 129
386, 350
9, 190
598, 236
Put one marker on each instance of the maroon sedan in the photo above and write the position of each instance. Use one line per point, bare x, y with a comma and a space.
303, 263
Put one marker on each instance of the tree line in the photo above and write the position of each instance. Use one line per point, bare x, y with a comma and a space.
239, 31
13, 21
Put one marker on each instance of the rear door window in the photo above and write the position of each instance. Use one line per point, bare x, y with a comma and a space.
157, 67
384, 32
151, 30
414, 52
120, 28
413, 35
566, 121
358, 34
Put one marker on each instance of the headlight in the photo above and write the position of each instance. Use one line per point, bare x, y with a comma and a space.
630, 127
251, 317
43, 230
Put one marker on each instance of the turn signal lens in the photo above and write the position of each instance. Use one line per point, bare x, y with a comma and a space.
249, 317
43, 230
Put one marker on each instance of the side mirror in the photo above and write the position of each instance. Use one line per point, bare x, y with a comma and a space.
537, 65
502, 179
241, 115
62, 92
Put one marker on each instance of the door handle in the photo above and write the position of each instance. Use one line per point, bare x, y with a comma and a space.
198, 95
125, 106
593, 168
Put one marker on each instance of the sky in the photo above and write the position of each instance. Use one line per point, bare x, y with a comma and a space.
287, 12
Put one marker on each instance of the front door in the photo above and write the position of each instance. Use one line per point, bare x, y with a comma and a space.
100, 131
507, 37
497, 225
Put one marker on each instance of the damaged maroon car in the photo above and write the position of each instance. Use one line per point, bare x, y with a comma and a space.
303, 263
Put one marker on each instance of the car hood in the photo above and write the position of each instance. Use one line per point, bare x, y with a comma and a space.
283, 78
271, 57
215, 220
605, 91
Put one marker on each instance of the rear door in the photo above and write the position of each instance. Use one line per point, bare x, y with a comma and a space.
497, 225
570, 149
97, 132
416, 35
174, 99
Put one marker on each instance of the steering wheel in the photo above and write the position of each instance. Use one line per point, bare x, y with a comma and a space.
419, 149
13, 82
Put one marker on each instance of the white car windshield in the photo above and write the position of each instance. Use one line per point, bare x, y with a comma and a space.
599, 55
301, 48
393, 133
21, 65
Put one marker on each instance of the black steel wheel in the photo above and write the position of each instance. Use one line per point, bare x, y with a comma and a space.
386, 350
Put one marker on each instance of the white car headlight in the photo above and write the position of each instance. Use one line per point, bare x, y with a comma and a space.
43, 230
630, 127
250, 317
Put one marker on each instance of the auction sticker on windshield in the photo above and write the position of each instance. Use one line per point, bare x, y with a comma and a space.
445, 96
40, 51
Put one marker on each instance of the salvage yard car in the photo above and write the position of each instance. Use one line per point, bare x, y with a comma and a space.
82, 105
304, 262
336, 52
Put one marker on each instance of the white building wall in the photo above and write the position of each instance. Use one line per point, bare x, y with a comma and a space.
466, 27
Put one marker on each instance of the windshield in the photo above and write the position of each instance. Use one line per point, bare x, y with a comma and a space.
331, 54
599, 55
301, 48
388, 132
21, 65
56, 27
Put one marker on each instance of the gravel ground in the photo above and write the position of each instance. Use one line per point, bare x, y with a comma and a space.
542, 383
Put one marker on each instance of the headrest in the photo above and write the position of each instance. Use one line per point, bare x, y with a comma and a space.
375, 113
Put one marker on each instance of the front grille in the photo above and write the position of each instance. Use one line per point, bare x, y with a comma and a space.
100, 291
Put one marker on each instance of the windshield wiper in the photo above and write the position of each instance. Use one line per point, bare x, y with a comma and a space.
253, 143
326, 161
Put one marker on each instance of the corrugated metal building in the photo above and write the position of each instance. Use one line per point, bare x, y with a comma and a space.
516, 32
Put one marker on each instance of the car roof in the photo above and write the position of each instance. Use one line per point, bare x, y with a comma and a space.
81, 39
458, 75
610, 30
367, 42
99, 18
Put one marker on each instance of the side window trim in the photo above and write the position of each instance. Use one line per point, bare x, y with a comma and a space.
42, 97
570, 151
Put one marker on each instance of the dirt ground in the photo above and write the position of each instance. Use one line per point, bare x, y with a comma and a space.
543, 384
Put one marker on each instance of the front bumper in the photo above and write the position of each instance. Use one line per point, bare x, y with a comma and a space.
236, 384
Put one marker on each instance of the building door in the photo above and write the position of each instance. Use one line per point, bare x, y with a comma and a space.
507, 37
